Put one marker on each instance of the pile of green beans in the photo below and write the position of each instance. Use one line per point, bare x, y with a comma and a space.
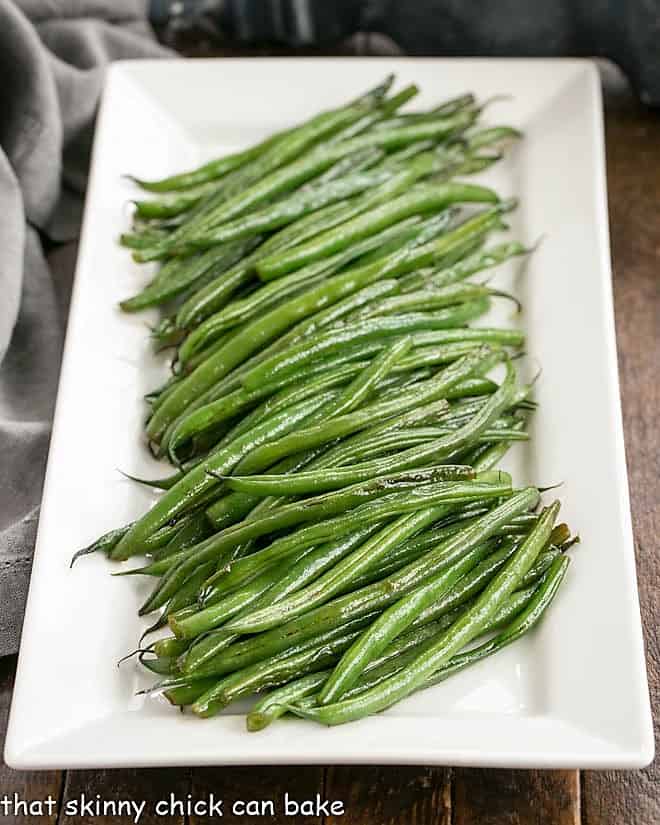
336, 532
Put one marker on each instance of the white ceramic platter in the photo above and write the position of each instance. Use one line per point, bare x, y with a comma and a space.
574, 694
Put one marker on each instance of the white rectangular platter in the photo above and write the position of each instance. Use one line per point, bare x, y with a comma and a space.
572, 695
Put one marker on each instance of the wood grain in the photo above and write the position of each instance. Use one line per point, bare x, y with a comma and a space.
139, 785
259, 784
390, 796
507, 797
28, 785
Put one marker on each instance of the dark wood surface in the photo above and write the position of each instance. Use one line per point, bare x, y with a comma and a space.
441, 796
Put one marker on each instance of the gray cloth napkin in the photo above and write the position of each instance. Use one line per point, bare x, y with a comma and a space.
52, 60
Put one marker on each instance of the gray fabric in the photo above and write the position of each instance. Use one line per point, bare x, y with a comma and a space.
52, 60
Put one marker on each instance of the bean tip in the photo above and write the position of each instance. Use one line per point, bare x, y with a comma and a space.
86, 551
137, 652
256, 721
133, 179
550, 487
571, 542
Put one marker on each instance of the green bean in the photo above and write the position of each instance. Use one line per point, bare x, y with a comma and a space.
435, 356
414, 456
382, 244
170, 646
412, 639
104, 544
398, 654
270, 294
450, 494
186, 596
428, 601
242, 655
346, 571
464, 594
172, 205
175, 205
397, 441
421, 198
250, 338
426, 299
464, 268
375, 596
107, 542
372, 375
176, 276
141, 239
196, 528
283, 145
276, 670
298, 171
386, 505
521, 624
447, 379
327, 316
490, 135
363, 385
359, 161
386, 107
211, 298
186, 693
235, 506
212, 170
216, 512
406, 553
462, 631
215, 546
218, 613
161, 666
284, 211
279, 667
323, 343
215, 294
274, 704
311, 565
539, 602
521, 613
198, 481
427, 391
230, 405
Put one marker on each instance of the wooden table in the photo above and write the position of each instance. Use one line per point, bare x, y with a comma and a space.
440, 796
